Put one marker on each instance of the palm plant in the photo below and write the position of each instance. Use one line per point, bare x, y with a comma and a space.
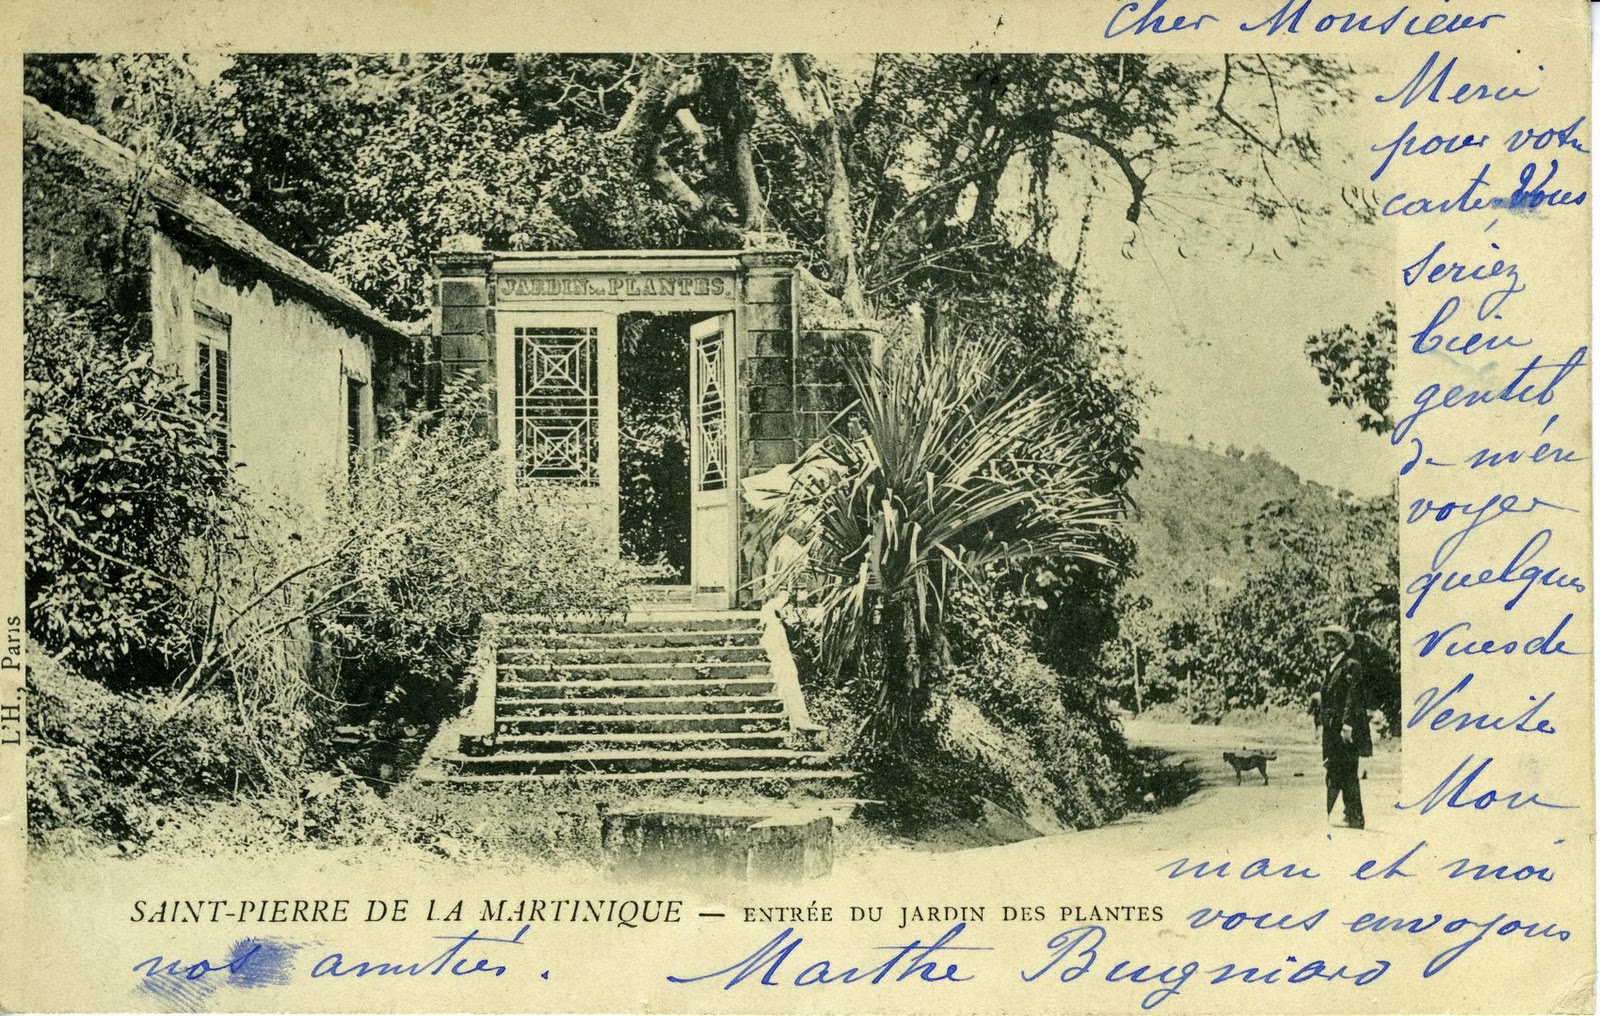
944, 473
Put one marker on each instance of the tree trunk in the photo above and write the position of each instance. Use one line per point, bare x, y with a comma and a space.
725, 90
805, 97
644, 126
1138, 694
902, 698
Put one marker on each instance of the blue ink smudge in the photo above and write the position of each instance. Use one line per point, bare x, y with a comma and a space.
186, 987
269, 961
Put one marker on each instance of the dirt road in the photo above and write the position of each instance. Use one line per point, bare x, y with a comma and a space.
1225, 819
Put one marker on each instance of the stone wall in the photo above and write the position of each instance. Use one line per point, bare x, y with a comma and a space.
827, 340
766, 368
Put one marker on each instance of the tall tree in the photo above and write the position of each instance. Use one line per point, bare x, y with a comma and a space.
951, 183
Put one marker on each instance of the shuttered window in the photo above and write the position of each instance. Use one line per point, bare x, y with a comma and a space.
354, 410
213, 378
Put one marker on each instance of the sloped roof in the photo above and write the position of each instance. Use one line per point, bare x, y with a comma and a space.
203, 216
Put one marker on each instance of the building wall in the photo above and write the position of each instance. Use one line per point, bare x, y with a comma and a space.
87, 236
289, 364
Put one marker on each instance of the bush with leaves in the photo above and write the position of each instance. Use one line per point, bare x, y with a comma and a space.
1057, 726
1356, 366
122, 477
437, 539
1313, 561
149, 567
121, 767
1002, 728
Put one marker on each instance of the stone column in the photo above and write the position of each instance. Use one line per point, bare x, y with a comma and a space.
822, 388
765, 384
766, 365
827, 339
463, 321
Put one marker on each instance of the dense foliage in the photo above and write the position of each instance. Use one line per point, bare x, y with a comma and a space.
951, 190
1011, 744
653, 442
392, 583
1242, 562
958, 184
123, 477
437, 538
947, 473
104, 765
1357, 366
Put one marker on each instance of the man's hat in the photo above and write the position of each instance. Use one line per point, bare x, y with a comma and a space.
1339, 630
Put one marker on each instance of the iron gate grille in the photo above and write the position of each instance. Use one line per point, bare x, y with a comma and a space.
557, 410
711, 431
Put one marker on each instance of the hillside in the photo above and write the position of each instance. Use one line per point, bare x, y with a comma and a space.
1189, 507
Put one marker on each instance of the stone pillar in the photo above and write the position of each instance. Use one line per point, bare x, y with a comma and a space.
822, 387
766, 367
826, 339
463, 320
765, 385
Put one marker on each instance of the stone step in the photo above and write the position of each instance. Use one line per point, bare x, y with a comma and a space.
685, 671
637, 639
660, 781
635, 761
674, 621
528, 708
612, 743
649, 654
642, 723
510, 692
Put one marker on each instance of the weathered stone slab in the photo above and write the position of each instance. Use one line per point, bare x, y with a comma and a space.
729, 842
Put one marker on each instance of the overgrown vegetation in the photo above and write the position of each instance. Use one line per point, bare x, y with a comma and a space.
969, 583
1001, 732
123, 478
437, 538
653, 442
114, 773
1241, 561
225, 643
945, 475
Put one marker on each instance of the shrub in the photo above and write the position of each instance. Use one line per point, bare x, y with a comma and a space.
949, 472
122, 476
438, 538
1004, 728
121, 768
148, 566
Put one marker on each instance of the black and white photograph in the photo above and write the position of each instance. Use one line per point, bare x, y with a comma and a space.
753, 433
757, 475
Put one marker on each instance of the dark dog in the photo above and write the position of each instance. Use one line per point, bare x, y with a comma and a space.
1243, 762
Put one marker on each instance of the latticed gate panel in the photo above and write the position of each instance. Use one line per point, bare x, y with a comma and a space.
711, 427
557, 409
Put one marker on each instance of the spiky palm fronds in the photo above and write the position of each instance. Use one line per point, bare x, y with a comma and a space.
945, 473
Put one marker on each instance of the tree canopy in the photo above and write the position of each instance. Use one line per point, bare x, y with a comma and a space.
949, 183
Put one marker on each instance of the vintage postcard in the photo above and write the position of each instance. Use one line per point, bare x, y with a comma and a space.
986, 507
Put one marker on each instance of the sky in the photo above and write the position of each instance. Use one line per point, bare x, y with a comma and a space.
1222, 339
1216, 312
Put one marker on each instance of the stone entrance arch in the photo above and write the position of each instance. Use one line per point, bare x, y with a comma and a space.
541, 328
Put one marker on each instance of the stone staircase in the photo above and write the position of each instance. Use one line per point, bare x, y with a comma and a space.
660, 698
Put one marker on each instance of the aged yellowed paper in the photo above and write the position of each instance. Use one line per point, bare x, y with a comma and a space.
886, 507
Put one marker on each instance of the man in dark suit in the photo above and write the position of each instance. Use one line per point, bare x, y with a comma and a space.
1342, 715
